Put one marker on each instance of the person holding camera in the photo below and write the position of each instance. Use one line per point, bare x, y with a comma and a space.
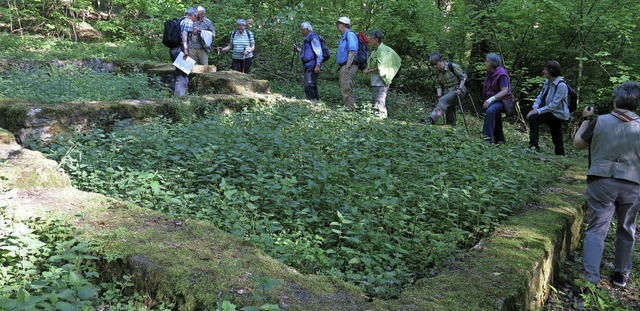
550, 107
613, 181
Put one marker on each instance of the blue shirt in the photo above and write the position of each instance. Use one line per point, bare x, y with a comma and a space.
348, 42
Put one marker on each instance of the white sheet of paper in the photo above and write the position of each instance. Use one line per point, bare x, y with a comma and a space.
207, 36
184, 65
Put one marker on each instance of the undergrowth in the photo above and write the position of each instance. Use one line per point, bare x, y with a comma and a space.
377, 203
36, 47
70, 84
43, 266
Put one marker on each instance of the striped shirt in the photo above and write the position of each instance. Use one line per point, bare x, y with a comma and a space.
240, 42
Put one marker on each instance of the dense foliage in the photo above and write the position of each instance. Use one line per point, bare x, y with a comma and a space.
594, 40
70, 84
43, 266
377, 203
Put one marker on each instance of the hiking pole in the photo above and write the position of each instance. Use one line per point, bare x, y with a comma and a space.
464, 119
217, 58
244, 56
293, 56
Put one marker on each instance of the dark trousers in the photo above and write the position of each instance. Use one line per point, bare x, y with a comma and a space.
242, 65
555, 128
311, 84
181, 83
450, 115
492, 128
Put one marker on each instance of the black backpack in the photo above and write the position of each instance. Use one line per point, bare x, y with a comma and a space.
326, 54
362, 55
572, 97
171, 36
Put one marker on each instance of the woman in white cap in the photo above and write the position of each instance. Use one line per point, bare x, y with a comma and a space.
243, 43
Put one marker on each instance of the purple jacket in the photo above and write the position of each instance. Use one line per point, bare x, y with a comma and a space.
493, 87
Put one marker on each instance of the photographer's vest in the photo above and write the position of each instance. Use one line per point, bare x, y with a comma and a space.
615, 148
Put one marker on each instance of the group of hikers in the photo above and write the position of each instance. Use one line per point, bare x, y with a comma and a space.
194, 23
550, 107
613, 178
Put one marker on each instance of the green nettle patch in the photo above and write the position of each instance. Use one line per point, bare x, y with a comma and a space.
44, 267
377, 203
70, 84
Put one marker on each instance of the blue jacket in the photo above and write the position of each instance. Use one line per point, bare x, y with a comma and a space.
555, 101
311, 51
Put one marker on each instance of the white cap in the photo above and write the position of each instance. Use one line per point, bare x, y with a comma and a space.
344, 20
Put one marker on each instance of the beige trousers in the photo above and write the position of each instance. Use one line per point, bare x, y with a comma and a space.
200, 56
346, 86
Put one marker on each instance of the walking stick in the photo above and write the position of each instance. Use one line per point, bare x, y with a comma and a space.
462, 111
293, 56
244, 56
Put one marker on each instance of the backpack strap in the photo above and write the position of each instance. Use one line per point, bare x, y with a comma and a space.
565, 100
233, 35
453, 70
623, 116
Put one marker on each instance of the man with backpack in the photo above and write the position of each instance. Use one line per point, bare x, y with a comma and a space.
450, 79
312, 58
197, 47
186, 27
347, 49
383, 65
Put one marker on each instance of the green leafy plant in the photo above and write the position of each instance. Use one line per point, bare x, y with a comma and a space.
71, 84
376, 203
44, 267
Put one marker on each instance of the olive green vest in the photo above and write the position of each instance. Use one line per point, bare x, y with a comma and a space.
615, 148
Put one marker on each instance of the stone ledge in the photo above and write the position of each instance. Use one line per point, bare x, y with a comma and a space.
514, 267
41, 122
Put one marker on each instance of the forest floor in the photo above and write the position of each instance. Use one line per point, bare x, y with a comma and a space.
571, 293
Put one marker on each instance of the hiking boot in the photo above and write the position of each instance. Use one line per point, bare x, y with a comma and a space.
489, 140
535, 148
428, 121
618, 279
